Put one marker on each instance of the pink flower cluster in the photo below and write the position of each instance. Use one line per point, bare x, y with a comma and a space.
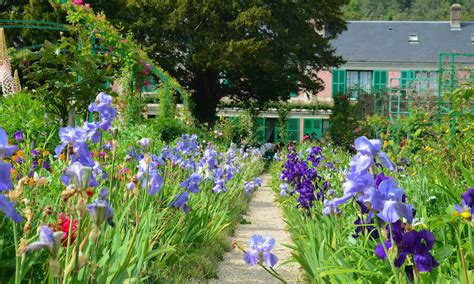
80, 3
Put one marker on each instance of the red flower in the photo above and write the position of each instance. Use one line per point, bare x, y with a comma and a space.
89, 192
64, 223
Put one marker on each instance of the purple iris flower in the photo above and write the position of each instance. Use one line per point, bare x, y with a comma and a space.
5, 149
18, 136
8, 208
261, 251
133, 153
103, 193
144, 143
357, 183
394, 210
47, 239
181, 201
192, 183
380, 250
82, 153
70, 135
35, 153
130, 185
5, 176
78, 175
219, 185
93, 131
418, 244
468, 197
47, 165
103, 105
283, 189
100, 211
156, 183
367, 150
249, 187
387, 190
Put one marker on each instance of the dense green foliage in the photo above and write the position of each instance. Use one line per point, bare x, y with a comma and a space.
428, 10
250, 51
343, 122
65, 76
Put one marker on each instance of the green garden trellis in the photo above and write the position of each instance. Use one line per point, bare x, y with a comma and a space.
170, 85
408, 94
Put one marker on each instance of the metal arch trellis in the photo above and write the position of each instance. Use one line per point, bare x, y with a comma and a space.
46, 25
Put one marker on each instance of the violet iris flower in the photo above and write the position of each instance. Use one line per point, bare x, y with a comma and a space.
181, 201
149, 176
47, 239
5, 149
261, 251
78, 175
367, 150
192, 183
283, 189
5, 176
468, 197
144, 143
18, 136
70, 135
418, 244
466, 210
8, 208
100, 211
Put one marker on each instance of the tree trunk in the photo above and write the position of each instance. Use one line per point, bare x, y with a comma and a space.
206, 97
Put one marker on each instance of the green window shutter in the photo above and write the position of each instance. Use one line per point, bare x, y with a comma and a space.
338, 82
405, 76
313, 125
308, 126
380, 79
260, 122
292, 130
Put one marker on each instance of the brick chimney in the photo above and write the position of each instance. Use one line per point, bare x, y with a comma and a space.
455, 21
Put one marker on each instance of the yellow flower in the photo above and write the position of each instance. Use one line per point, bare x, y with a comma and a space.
46, 153
466, 215
20, 153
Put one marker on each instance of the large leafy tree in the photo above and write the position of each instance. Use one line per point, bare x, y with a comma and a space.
251, 51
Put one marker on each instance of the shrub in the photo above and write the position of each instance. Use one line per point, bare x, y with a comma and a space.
22, 112
342, 122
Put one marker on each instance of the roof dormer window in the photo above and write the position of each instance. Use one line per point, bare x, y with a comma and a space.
413, 38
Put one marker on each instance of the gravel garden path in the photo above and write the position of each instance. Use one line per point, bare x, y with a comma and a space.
265, 218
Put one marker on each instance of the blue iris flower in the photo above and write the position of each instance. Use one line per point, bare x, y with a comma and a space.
6, 150
8, 208
260, 251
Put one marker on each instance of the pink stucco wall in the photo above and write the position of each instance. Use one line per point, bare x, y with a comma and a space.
301, 129
326, 76
393, 74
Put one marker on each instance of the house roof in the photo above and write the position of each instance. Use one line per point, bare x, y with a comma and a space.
388, 41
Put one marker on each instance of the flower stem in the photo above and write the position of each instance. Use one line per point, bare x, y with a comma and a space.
17, 258
461, 254
68, 248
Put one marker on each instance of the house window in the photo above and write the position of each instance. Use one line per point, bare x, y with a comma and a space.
427, 81
413, 38
358, 82
420, 81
